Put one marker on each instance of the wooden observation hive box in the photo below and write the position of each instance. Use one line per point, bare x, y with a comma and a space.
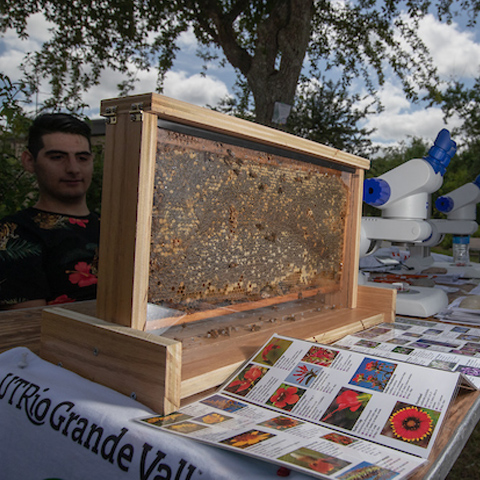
215, 234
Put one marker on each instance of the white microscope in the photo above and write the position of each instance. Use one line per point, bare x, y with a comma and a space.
460, 208
403, 196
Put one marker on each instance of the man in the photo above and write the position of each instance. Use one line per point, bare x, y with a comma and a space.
48, 253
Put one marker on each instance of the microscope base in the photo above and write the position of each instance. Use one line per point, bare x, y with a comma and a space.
418, 301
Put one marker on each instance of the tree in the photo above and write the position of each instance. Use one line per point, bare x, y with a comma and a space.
326, 113
266, 41
17, 184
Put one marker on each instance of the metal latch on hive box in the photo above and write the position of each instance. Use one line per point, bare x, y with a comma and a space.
111, 115
136, 112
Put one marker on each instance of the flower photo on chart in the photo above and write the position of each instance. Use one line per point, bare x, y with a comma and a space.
223, 403
442, 365
304, 375
339, 438
411, 424
320, 356
247, 439
316, 461
346, 408
211, 418
368, 471
403, 350
162, 420
185, 427
468, 370
373, 374
243, 383
281, 423
368, 344
274, 349
286, 397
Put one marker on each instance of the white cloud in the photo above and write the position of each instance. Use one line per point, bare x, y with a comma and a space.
401, 119
194, 89
454, 51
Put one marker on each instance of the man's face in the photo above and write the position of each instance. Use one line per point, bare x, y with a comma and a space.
64, 167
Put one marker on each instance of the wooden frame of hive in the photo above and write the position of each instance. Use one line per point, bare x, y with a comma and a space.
205, 346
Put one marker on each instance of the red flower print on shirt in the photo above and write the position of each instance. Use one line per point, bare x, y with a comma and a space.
82, 275
77, 221
61, 299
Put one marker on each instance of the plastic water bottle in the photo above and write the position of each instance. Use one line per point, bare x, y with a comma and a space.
460, 247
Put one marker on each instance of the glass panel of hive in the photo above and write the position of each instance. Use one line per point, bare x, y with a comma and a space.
232, 224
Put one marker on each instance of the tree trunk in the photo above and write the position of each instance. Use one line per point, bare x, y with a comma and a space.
276, 66
272, 72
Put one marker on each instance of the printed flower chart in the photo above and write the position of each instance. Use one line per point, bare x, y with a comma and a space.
320, 356
373, 374
346, 408
281, 423
411, 424
246, 379
286, 397
223, 403
272, 351
316, 461
247, 439
366, 470
161, 421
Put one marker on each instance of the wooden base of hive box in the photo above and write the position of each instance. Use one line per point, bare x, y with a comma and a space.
164, 371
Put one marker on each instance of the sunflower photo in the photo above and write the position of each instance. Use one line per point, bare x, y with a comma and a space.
247, 439
411, 424
185, 427
213, 417
162, 420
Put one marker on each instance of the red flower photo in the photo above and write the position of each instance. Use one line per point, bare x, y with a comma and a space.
320, 356
246, 379
347, 407
272, 351
286, 397
411, 424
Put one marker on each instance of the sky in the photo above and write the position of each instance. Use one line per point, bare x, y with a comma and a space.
455, 50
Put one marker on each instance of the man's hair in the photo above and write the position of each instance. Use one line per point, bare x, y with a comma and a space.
53, 123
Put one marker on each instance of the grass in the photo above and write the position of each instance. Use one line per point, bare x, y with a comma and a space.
467, 466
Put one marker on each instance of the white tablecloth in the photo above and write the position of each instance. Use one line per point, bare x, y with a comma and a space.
55, 424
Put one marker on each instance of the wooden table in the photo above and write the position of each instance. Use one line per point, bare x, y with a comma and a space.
22, 328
